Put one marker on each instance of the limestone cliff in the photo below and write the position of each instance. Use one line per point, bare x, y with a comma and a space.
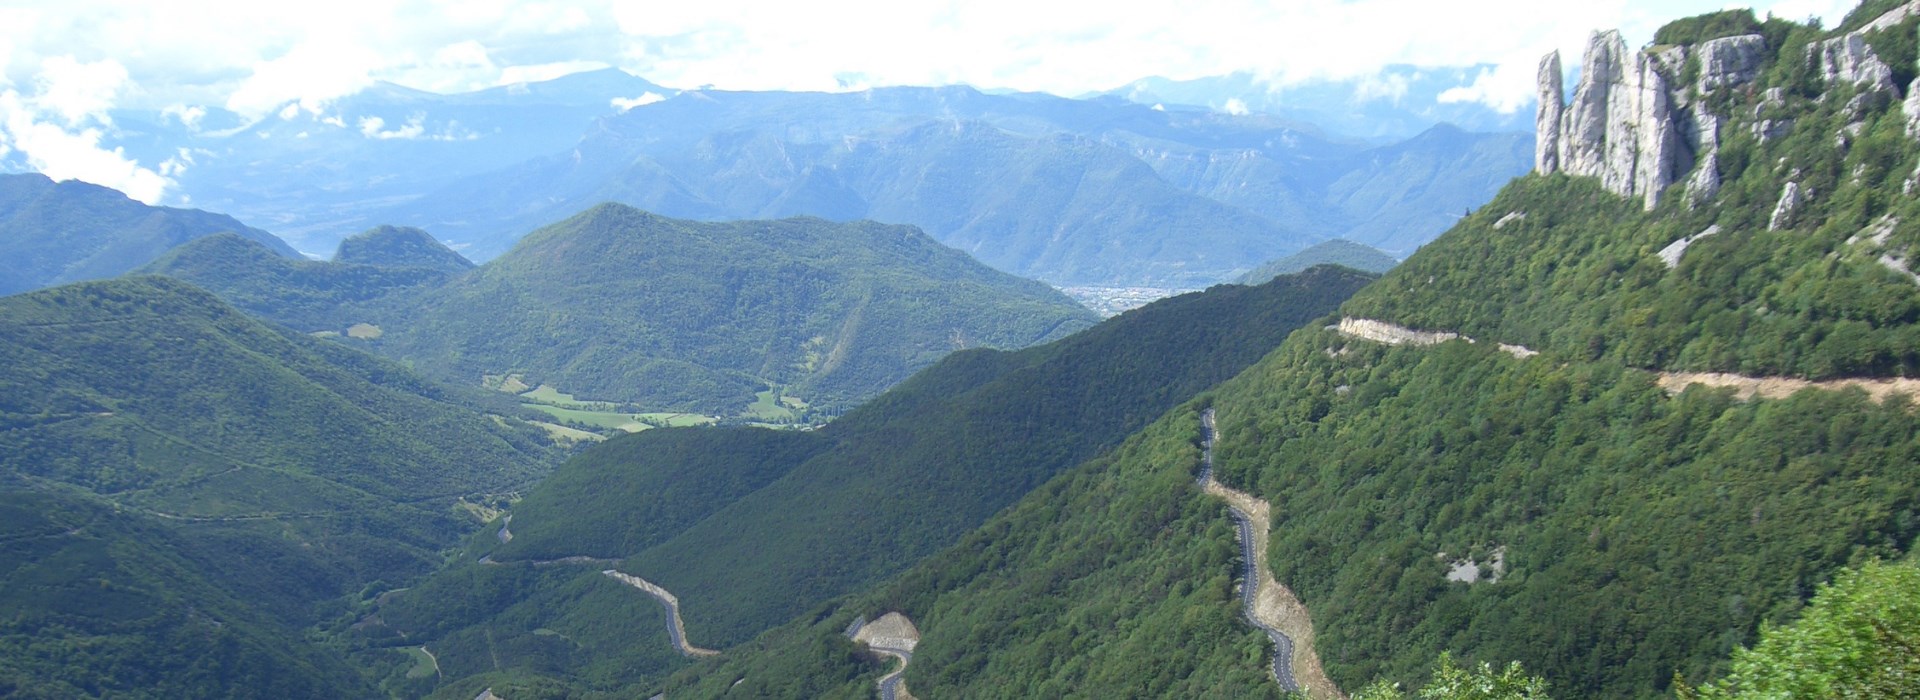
1622, 126
1638, 122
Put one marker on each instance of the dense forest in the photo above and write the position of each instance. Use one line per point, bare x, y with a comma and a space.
189, 490
840, 509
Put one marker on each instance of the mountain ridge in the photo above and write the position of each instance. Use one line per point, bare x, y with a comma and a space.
54, 233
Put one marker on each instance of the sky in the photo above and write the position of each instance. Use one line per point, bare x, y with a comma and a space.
65, 63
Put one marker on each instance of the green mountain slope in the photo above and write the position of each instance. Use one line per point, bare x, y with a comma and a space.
399, 246
54, 233
243, 477
619, 305
841, 508
1580, 509
1334, 252
306, 295
105, 604
1115, 579
616, 305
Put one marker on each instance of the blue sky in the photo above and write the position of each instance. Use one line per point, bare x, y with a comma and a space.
65, 63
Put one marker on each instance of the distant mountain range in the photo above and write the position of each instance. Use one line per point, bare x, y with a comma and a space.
1068, 191
314, 177
1100, 191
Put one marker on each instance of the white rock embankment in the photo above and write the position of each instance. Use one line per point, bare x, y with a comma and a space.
1393, 334
894, 635
1390, 334
1746, 387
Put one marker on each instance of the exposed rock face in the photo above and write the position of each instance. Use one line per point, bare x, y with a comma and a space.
1848, 59
1552, 94
1912, 109
1627, 125
1634, 125
1730, 61
1786, 208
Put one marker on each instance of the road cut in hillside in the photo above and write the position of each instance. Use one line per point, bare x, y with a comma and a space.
675, 627
1745, 387
1392, 334
1781, 387
1269, 606
892, 635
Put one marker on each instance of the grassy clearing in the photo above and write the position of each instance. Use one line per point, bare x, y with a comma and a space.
480, 511
364, 331
629, 422
598, 419
549, 394
423, 666
770, 407
509, 383
561, 433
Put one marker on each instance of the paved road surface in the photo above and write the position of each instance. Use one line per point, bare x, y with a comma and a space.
890, 683
1249, 576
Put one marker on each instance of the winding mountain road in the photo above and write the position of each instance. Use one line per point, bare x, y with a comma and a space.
1268, 605
890, 683
676, 628
895, 635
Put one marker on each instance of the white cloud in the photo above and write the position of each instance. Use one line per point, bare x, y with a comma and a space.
255, 58
375, 128
177, 165
311, 76
1236, 107
187, 116
625, 103
59, 153
1505, 88
1386, 86
60, 126
78, 92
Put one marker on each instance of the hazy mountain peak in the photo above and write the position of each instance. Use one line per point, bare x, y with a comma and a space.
400, 246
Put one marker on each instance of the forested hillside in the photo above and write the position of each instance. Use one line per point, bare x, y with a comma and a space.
751, 527
58, 232
306, 295
616, 304
397, 246
1492, 454
624, 308
189, 489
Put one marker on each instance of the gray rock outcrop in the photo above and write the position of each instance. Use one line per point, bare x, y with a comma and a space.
1912, 109
1730, 61
1621, 126
1786, 208
1546, 122
1848, 59
1633, 124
